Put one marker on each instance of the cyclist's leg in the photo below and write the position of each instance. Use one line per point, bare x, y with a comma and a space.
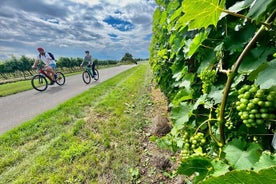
50, 72
54, 70
93, 68
90, 71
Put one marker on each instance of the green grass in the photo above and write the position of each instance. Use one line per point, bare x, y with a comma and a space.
91, 138
15, 87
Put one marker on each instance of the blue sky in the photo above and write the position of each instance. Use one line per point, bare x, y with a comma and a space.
108, 28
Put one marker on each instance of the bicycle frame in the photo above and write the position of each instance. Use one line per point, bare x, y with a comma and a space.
43, 72
89, 69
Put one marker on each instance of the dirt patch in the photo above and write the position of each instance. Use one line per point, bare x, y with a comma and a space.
156, 165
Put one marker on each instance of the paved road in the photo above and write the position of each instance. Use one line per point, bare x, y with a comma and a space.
18, 108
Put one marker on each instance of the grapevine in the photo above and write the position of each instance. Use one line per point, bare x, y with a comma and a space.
242, 45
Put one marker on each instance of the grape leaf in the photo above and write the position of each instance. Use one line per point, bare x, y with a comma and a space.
216, 94
236, 41
266, 161
177, 13
264, 79
259, 8
181, 114
255, 58
238, 6
176, 43
192, 46
201, 13
184, 79
239, 158
163, 53
163, 18
254, 74
220, 168
182, 95
197, 164
200, 101
265, 176
156, 16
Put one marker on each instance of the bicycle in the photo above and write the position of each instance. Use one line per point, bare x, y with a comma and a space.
87, 75
40, 80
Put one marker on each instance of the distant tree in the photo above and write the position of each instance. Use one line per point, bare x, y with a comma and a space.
128, 58
65, 62
12, 64
25, 64
96, 61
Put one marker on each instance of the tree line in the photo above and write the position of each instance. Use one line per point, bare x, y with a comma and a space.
23, 65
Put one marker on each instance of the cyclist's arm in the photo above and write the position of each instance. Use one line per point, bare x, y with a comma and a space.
35, 63
82, 62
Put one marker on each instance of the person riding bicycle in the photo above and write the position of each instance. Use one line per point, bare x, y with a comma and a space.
50, 64
89, 62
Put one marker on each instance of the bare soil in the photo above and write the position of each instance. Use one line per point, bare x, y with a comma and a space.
156, 165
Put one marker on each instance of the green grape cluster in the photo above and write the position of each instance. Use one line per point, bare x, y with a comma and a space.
192, 143
229, 124
230, 119
197, 140
185, 152
207, 77
256, 106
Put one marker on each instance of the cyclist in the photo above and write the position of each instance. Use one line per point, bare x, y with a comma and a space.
89, 62
50, 64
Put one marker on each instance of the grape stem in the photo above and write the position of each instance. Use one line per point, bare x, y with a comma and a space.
209, 128
232, 73
206, 121
266, 24
211, 134
220, 69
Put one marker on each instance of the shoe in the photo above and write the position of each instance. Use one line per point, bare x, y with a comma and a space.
52, 83
55, 76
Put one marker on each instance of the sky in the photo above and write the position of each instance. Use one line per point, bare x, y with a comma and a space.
107, 28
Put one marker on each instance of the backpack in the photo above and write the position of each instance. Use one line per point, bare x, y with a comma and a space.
50, 54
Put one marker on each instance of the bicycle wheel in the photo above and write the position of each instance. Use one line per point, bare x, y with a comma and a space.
97, 76
60, 80
86, 77
39, 82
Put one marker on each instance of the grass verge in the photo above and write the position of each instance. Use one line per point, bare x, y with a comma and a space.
91, 138
14, 87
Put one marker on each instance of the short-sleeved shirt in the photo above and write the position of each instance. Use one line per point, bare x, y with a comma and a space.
44, 58
87, 59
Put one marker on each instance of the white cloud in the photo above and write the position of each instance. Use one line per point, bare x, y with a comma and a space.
67, 28
87, 2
